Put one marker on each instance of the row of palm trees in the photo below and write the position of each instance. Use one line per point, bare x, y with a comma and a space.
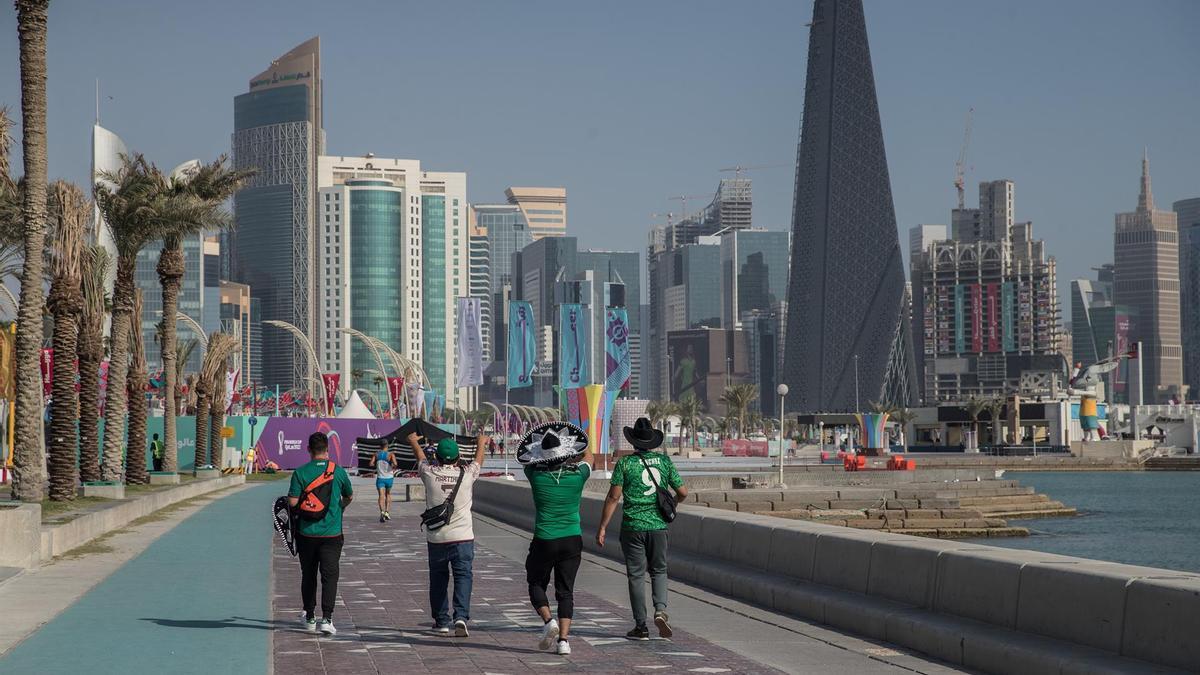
740, 419
47, 223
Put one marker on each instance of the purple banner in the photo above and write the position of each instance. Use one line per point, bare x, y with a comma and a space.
284, 440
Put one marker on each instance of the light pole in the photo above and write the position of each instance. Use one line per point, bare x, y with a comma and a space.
856, 406
782, 390
821, 436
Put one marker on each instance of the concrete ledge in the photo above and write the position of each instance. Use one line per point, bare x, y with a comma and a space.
58, 539
20, 535
164, 478
116, 491
206, 474
985, 608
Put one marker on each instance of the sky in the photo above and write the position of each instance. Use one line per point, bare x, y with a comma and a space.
628, 104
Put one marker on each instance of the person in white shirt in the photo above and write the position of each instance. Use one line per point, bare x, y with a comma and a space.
452, 546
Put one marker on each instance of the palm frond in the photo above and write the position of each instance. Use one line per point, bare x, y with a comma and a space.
137, 343
70, 211
95, 263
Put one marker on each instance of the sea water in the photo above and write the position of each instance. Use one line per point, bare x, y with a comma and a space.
1147, 518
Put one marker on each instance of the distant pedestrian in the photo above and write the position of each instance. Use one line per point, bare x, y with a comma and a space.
384, 462
557, 464
156, 452
451, 542
248, 462
636, 481
319, 493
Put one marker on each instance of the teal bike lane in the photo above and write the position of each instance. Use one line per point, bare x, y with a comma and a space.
197, 600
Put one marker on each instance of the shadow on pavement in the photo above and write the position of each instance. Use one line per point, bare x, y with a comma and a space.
232, 622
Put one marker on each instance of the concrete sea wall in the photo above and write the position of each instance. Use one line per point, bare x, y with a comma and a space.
991, 609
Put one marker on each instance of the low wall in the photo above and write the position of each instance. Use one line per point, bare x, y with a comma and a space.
58, 539
20, 527
991, 609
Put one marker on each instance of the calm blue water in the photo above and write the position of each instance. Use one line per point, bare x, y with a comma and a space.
1138, 517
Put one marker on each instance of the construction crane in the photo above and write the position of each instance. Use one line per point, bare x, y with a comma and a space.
738, 170
683, 199
960, 165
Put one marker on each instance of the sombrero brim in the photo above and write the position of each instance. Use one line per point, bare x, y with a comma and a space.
573, 443
655, 441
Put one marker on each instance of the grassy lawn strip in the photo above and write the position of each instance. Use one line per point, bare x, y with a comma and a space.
263, 477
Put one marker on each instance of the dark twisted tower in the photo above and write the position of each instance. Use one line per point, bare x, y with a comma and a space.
846, 295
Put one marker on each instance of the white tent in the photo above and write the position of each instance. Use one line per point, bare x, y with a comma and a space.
355, 409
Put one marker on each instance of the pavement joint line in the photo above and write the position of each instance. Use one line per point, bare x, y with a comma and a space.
612, 566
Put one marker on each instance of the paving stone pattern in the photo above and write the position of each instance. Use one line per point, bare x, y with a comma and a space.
383, 618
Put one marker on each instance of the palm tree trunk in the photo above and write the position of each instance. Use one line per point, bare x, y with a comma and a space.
216, 443
29, 459
115, 403
202, 426
91, 352
135, 459
66, 302
170, 275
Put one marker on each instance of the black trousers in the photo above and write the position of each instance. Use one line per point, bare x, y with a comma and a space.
319, 555
558, 556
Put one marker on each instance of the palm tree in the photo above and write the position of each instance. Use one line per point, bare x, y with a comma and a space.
29, 469
737, 400
207, 185
139, 208
95, 265
135, 454
995, 406
903, 417
688, 410
657, 412
70, 210
974, 408
220, 347
183, 354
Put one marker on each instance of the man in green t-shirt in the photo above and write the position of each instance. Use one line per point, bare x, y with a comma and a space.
319, 542
635, 481
557, 464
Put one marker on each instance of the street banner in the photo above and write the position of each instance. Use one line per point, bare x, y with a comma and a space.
414, 399
396, 391
47, 363
574, 346
8, 372
103, 383
590, 409
430, 403
470, 344
522, 347
617, 367
231, 378
330, 381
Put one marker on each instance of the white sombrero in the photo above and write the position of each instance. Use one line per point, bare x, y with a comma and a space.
552, 443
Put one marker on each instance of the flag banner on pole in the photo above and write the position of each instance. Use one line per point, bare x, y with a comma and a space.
430, 403
396, 391
522, 347
590, 409
231, 378
103, 383
617, 369
574, 335
414, 399
47, 363
331, 381
441, 405
470, 344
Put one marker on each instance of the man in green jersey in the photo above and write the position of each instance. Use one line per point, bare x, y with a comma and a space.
319, 541
557, 463
635, 481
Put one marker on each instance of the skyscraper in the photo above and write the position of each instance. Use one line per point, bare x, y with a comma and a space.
1092, 317
1188, 213
545, 209
277, 128
1146, 279
480, 284
506, 232
848, 337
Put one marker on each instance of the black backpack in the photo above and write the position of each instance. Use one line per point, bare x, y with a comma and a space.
437, 517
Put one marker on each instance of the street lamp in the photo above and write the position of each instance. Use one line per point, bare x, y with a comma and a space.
856, 406
821, 436
782, 390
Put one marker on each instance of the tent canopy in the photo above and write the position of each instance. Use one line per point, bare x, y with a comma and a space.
355, 409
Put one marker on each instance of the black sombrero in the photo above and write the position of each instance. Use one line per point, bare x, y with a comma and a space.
552, 443
642, 435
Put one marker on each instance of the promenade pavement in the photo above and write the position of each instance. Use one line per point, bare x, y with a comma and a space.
218, 593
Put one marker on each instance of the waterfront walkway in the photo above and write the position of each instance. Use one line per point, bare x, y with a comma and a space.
217, 593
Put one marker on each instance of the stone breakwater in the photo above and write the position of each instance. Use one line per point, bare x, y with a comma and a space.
941, 510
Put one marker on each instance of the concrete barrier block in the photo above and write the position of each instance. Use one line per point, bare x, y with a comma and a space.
903, 504
752, 544
939, 503
929, 633
751, 507
754, 495
806, 497
905, 572
803, 600
716, 536
724, 506
857, 504
20, 535
684, 533
710, 495
863, 615
1161, 616
843, 560
414, 492
980, 585
1079, 603
116, 491
792, 552
866, 493
164, 478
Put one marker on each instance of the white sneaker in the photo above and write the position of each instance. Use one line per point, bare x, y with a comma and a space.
441, 630
549, 635
310, 625
564, 648
326, 626
460, 629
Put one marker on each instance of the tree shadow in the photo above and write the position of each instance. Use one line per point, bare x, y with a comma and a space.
231, 622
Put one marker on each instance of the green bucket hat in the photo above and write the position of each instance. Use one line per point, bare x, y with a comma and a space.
447, 450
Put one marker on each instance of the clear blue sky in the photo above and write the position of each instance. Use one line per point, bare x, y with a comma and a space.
629, 103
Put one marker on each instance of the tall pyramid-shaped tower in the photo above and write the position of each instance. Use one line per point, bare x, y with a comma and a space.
846, 297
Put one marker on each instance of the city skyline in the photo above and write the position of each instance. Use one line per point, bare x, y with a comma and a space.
1065, 137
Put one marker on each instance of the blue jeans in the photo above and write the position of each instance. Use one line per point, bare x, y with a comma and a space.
444, 559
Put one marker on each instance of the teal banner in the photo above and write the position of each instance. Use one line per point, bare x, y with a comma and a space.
960, 336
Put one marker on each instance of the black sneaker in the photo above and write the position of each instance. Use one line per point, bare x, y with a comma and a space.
639, 633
